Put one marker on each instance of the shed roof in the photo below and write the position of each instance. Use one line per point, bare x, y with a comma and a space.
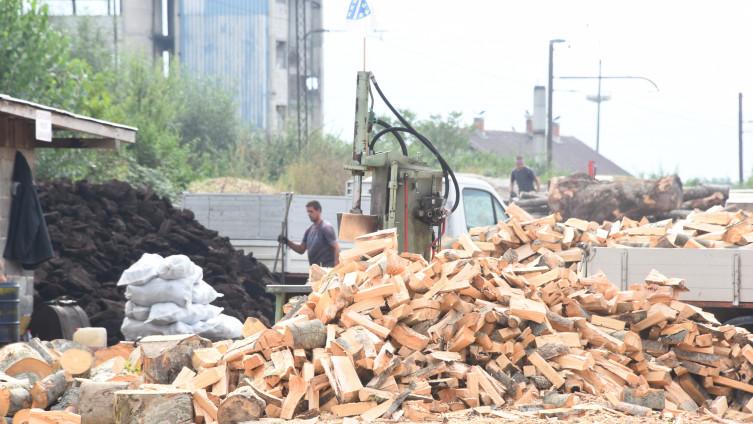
89, 132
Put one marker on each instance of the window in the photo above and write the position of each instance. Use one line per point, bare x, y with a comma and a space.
481, 208
281, 54
499, 211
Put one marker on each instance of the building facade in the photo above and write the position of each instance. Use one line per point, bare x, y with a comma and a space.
268, 53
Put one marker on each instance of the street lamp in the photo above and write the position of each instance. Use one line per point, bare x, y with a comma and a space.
599, 98
550, 89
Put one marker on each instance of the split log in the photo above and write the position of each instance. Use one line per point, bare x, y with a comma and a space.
653, 399
583, 197
163, 357
13, 398
48, 390
305, 334
241, 405
153, 407
40, 416
96, 401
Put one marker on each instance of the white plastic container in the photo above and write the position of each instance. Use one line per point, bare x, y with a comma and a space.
91, 336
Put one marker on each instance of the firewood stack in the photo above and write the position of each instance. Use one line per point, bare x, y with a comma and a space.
391, 335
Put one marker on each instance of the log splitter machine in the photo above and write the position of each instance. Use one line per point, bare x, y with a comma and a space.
406, 194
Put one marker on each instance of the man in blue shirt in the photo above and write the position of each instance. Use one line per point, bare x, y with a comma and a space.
319, 239
524, 177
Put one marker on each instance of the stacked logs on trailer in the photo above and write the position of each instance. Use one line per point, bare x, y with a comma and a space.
714, 228
580, 196
99, 230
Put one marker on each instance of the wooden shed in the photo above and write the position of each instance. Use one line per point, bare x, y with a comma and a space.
27, 126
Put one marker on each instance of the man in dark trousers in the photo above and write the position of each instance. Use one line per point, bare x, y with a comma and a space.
524, 177
319, 239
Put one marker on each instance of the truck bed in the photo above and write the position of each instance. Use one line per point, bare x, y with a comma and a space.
718, 278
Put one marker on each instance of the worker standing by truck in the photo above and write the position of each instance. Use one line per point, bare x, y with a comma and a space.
524, 177
319, 239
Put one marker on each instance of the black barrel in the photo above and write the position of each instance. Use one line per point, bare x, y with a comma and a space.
10, 315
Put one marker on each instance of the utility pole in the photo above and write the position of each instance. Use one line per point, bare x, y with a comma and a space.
740, 134
73, 4
550, 90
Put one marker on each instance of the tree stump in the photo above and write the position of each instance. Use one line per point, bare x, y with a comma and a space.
153, 407
164, 356
48, 390
96, 401
241, 405
580, 196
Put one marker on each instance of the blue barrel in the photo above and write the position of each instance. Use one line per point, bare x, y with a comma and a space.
9, 312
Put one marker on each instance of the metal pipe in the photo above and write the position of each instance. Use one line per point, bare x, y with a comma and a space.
360, 136
740, 136
550, 90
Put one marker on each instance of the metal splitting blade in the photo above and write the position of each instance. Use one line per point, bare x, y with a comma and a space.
352, 225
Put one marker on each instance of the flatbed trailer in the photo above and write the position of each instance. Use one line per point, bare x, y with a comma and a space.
719, 280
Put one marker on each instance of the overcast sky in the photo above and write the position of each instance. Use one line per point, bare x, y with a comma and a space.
437, 56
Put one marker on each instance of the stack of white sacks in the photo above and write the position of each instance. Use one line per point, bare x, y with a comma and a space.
169, 296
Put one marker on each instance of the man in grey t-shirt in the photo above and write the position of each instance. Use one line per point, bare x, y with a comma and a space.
319, 239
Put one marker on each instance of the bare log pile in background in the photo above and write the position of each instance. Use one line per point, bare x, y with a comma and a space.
586, 198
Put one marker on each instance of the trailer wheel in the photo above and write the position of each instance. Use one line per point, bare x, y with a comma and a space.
745, 321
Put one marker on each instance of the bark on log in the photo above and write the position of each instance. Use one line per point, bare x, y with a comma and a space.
153, 407
580, 196
164, 356
533, 202
21, 361
704, 202
69, 402
13, 398
701, 191
653, 399
306, 335
48, 390
241, 405
96, 401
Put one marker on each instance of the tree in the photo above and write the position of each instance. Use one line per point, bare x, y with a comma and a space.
36, 63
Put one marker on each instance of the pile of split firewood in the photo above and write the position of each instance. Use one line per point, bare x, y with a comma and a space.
500, 323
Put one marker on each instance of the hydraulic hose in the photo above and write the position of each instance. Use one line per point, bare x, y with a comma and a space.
445, 167
389, 129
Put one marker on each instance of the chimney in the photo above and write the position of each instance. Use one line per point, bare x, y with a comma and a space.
478, 124
529, 124
539, 109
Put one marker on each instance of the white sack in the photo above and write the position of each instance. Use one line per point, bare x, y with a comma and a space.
168, 313
142, 271
133, 329
161, 291
204, 294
